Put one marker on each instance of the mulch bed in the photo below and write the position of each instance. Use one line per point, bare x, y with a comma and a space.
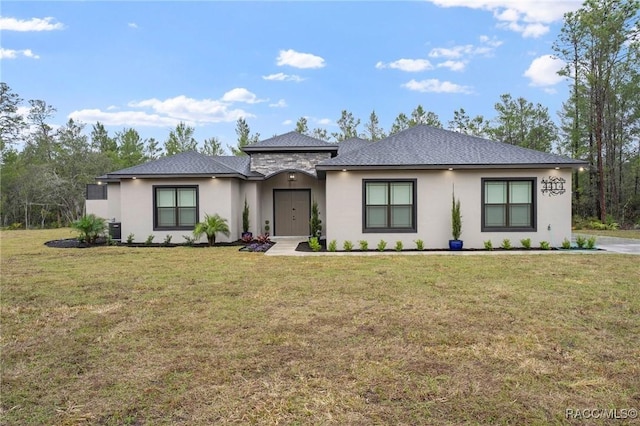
304, 247
74, 243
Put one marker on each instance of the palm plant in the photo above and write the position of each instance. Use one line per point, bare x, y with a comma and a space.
89, 228
211, 226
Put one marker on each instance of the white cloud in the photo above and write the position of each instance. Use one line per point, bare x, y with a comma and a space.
527, 30
124, 118
280, 104
299, 60
324, 121
287, 122
453, 65
531, 18
171, 111
240, 94
408, 65
436, 86
33, 24
543, 71
487, 47
192, 110
283, 77
132, 25
13, 54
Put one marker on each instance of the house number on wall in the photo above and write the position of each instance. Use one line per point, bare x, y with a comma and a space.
553, 186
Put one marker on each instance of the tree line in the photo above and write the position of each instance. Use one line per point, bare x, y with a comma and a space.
43, 183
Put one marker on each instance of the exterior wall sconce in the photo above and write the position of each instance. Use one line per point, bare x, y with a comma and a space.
344, 170
450, 168
292, 176
213, 177
134, 178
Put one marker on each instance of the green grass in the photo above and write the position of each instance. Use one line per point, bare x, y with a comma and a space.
117, 335
620, 233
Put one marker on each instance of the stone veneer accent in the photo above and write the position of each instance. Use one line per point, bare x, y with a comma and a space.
269, 163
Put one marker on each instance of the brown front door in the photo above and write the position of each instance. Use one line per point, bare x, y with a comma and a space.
292, 211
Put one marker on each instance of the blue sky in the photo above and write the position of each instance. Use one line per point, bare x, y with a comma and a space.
150, 65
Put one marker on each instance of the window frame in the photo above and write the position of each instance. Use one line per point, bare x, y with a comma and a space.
414, 215
156, 227
533, 208
95, 191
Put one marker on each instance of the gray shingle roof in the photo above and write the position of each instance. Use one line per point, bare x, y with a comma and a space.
188, 163
292, 141
352, 144
424, 146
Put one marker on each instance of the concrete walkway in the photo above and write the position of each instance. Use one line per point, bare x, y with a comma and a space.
615, 244
286, 246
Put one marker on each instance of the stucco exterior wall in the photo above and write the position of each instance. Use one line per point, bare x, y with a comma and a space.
281, 181
434, 188
113, 196
136, 197
99, 208
107, 209
249, 191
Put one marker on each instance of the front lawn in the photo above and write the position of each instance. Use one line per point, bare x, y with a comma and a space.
120, 335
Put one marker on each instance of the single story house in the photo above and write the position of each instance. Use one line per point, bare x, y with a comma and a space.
397, 189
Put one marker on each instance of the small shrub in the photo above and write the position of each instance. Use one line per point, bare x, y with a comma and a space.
566, 244
419, 245
506, 244
364, 245
315, 223
333, 245
591, 243
526, 243
398, 246
314, 244
258, 247
167, 240
149, 240
488, 245
581, 241
347, 245
14, 226
110, 241
544, 245
263, 239
247, 238
130, 238
381, 245
189, 240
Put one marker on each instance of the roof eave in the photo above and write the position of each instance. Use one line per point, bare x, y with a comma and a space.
287, 149
118, 177
576, 165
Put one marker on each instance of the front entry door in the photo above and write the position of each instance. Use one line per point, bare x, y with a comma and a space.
291, 211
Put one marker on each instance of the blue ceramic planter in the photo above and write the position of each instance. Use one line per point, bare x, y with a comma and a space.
455, 244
